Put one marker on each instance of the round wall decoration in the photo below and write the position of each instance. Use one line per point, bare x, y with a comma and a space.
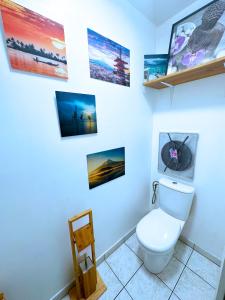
177, 152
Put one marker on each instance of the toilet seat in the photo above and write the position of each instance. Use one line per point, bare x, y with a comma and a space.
158, 231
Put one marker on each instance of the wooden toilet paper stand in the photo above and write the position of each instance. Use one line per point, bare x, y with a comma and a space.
88, 283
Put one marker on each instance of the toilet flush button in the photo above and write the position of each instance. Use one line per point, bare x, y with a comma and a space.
174, 182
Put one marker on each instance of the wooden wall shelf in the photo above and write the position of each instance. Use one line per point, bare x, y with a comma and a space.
211, 68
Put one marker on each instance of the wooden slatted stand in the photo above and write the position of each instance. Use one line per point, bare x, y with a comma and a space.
1, 296
88, 283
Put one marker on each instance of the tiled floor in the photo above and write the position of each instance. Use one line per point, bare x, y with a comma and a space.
188, 276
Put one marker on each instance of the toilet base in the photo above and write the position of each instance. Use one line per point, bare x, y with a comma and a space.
156, 262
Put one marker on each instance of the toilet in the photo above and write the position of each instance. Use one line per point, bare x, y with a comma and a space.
159, 231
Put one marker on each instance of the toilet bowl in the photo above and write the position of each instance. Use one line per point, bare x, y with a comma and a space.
159, 230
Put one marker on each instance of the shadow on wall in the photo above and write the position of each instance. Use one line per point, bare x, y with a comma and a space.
190, 221
205, 93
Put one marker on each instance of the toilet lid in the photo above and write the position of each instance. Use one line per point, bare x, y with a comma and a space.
158, 231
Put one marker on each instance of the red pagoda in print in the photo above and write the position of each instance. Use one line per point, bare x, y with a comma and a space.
120, 70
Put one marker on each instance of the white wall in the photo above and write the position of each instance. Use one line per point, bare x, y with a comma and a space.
197, 107
43, 177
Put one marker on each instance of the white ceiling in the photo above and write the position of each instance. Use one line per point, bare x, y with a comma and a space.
159, 11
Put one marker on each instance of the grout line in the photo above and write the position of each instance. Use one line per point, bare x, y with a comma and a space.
134, 274
124, 286
180, 260
161, 280
133, 252
149, 271
118, 294
189, 257
114, 274
182, 271
157, 274
186, 243
172, 290
178, 280
200, 277
170, 296
176, 295
186, 266
194, 271
128, 293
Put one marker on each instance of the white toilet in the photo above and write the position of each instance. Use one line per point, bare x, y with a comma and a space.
159, 230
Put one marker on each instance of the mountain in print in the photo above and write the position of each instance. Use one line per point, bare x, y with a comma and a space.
107, 171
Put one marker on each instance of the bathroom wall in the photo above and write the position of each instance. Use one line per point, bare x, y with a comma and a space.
196, 107
44, 177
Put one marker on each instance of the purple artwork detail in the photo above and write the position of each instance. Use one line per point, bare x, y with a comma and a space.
178, 44
173, 153
193, 59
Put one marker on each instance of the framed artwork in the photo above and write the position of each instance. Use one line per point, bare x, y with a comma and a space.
77, 113
155, 66
34, 43
108, 60
177, 152
105, 166
198, 38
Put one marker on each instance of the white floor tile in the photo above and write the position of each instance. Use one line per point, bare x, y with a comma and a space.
123, 296
182, 252
133, 244
110, 280
124, 263
174, 297
171, 273
204, 268
191, 286
145, 286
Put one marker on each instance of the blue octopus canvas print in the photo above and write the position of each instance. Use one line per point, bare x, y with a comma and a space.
198, 38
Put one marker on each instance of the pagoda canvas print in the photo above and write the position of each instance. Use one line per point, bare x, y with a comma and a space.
34, 43
108, 60
105, 166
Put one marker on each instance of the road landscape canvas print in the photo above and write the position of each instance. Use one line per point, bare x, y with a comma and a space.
34, 43
108, 60
105, 166
77, 113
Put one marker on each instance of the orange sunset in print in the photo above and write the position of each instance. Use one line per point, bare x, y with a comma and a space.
34, 43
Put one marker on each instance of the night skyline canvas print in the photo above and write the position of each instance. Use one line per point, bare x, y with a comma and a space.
105, 166
34, 43
108, 60
77, 113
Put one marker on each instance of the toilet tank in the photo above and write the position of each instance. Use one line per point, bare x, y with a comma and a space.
175, 198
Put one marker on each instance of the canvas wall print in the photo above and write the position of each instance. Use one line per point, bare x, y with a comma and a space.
155, 66
177, 153
198, 38
105, 166
34, 43
77, 113
108, 60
